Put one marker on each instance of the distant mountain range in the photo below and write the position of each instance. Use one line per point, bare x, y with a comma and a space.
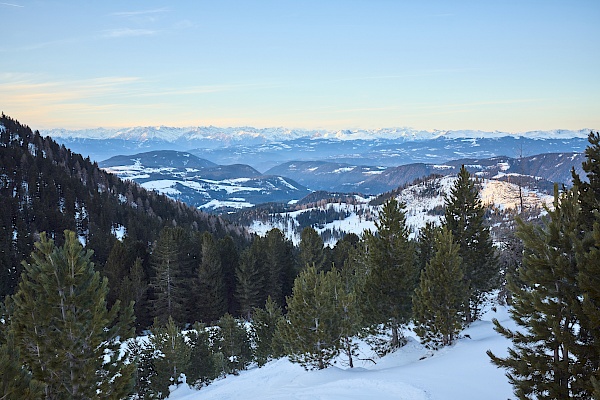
266, 148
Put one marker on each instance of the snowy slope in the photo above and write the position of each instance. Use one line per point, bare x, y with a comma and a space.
423, 204
460, 372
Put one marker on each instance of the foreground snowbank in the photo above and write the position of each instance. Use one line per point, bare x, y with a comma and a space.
460, 372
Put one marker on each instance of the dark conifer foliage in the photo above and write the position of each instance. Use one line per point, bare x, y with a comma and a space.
438, 300
545, 360
391, 272
210, 294
311, 250
464, 217
44, 187
61, 305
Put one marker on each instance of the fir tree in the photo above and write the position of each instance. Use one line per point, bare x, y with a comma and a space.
464, 217
546, 360
391, 272
61, 304
311, 331
438, 300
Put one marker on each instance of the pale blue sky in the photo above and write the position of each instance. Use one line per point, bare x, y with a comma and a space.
489, 65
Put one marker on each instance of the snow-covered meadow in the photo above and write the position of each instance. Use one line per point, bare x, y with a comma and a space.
462, 371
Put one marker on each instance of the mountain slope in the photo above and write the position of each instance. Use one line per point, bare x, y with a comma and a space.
200, 183
46, 187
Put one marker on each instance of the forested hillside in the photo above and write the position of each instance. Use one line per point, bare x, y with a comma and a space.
44, 187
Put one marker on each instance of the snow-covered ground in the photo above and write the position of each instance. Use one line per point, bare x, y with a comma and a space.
460, 372
420, 200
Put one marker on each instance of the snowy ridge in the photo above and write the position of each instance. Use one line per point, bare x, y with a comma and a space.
423, 201
242, 134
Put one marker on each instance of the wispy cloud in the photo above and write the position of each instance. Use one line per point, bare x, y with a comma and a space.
11, 5
128, 32
140, 12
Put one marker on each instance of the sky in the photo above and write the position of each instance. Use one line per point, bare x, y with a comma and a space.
511, 66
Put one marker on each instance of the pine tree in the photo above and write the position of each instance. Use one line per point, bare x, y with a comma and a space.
233, 342
589, 261
391, 272
16, 381
464, 217
311, 331
438, 300
589, 191
311, 249
348, 305
264, 332
546, 360
425, 243
115, 270
202, 368
134, 288
589, 284
61, 304
172, 357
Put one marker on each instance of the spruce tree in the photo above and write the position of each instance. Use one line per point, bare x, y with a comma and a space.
62, 328
546, 360
311, 331
391, 272
438, 300
464, 217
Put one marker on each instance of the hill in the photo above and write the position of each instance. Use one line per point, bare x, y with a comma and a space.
538, 172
